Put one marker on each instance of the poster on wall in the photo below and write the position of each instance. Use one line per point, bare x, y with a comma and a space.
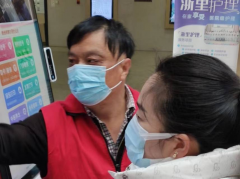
24, 83
209, 27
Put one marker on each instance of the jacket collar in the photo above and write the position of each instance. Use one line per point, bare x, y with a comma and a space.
220, 163
73, 106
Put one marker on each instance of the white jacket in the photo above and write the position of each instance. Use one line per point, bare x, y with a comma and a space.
221, 163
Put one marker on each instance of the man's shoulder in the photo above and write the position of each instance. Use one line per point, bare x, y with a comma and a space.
70, 105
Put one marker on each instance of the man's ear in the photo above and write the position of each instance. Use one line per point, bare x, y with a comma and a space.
181, 146
126, 65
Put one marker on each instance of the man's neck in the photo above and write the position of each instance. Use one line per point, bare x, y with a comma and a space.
113, 106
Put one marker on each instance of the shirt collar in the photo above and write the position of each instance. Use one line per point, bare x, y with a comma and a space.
130, 104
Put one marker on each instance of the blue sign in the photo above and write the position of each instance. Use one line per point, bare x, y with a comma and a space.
31, 87
13, 95
195, 12
35, 105
18, 114
208, 27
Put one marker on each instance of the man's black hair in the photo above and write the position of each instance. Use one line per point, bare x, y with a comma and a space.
117, 37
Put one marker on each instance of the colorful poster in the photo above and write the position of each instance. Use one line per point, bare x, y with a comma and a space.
24, 83
22, 77
24, 87
209, 27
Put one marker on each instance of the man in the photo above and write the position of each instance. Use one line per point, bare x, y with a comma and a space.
83, 136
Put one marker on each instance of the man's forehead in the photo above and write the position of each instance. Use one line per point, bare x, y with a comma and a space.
98, 35
88, 50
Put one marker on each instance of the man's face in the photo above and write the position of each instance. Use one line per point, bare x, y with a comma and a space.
93, 50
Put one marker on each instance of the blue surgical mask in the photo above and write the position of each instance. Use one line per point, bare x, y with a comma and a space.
88, 84
135, 139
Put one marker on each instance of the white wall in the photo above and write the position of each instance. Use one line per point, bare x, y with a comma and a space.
145, 20
62, 18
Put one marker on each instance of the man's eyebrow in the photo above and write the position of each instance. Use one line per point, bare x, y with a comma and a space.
94, 52
88, 53
71, 54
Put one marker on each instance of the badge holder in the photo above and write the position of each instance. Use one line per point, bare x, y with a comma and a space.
50, 64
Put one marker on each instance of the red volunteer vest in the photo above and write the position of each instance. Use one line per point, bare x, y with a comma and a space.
76, 147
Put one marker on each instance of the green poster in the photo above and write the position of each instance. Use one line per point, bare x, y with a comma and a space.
22, 45
26, 66
31, 87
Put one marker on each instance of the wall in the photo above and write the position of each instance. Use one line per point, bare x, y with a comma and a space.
39, 6
145, 21
62, 18
41, 21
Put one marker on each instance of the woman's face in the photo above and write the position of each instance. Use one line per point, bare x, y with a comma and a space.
154, 149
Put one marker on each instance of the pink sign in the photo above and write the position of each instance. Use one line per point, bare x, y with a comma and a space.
6, 49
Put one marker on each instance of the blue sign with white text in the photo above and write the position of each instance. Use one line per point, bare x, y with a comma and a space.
18, 114
13, 95
35, 105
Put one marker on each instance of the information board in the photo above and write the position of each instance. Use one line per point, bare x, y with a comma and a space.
24, 83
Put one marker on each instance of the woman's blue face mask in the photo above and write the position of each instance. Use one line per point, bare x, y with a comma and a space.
135, 140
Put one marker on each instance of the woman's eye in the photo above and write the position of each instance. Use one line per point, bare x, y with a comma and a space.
139, 118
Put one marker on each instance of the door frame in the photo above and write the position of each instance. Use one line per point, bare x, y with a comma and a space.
46, 22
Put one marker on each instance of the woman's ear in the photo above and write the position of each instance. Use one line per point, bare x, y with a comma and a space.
126, 65
185, 145
181, 146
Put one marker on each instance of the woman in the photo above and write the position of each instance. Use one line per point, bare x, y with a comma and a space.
188, 123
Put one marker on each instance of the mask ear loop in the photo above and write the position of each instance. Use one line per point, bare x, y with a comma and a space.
116, 85
115, 65
111, 69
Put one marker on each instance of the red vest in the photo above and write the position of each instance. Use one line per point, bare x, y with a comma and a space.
76, 147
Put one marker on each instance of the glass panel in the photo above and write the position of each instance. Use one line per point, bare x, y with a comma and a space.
102, 7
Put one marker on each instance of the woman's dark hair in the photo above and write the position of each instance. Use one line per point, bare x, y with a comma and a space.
119, 40
201, 100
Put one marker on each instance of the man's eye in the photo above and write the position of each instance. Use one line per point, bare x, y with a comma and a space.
92, 61
71, 61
